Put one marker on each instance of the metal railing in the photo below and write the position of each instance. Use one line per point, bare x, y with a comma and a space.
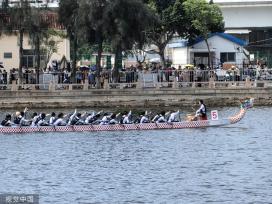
143, 79
175, 85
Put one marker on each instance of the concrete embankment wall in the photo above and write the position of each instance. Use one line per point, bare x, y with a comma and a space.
132, 98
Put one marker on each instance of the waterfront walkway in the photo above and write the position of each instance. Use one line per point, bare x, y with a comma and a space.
139, 94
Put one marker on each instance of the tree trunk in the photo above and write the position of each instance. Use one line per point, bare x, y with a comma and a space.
210, 64
118, 54
98, 62
38, 63
21, 54
73, 74
140, 62
163, 62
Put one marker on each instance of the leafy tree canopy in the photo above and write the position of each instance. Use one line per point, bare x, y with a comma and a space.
204, 17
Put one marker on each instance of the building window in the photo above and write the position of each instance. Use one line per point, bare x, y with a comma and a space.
7, 55
28, 61
227, 57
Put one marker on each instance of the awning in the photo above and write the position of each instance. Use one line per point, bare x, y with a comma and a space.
155, 60
238, 31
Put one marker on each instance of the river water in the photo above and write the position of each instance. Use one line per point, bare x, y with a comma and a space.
214, 165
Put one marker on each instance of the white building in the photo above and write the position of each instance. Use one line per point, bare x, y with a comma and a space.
37, 3
9, 52
9, 47
251, 21
246, 14
224, 48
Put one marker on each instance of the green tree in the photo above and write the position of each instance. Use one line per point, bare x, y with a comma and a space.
38, 33
170, 21
126, 22
205, 18
92, 22
69, 17
49, 47
17, 20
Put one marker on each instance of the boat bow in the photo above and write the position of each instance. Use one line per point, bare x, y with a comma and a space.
244, 107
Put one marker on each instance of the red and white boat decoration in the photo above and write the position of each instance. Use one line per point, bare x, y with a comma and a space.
214, 122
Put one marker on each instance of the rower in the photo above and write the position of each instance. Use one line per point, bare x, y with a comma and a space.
202, 111
89, 118
126, 118
35, 119
93, 117
60, 121
19, 118
7, 121
42, 121
52, 118
161, 118
113, 120
144, 118
75, 119
173, 117
24, 121
105, 120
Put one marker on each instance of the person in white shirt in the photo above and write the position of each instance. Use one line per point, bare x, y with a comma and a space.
105, 120
76, 119
52, 118
42, 121
113, 119
60, 121
144, 118
126, 118
24, 121
174, 117
161, 118
93, 117
89, 118
35, 119
202, 111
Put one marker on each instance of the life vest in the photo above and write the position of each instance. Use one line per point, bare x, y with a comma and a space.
75, 120
5, 123
17, 120
203, 112
37, 120
122, 121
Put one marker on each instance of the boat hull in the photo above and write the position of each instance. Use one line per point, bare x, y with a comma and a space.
118, 127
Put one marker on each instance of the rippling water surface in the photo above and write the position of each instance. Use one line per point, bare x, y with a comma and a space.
215, 165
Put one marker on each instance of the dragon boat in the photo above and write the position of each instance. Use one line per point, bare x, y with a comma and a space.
215, 122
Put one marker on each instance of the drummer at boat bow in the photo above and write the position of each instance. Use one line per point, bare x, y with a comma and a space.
202, 111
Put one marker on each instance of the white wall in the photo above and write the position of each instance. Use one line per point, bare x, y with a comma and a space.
240, 1
217, 45
247, 17
10, 44
179, 56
